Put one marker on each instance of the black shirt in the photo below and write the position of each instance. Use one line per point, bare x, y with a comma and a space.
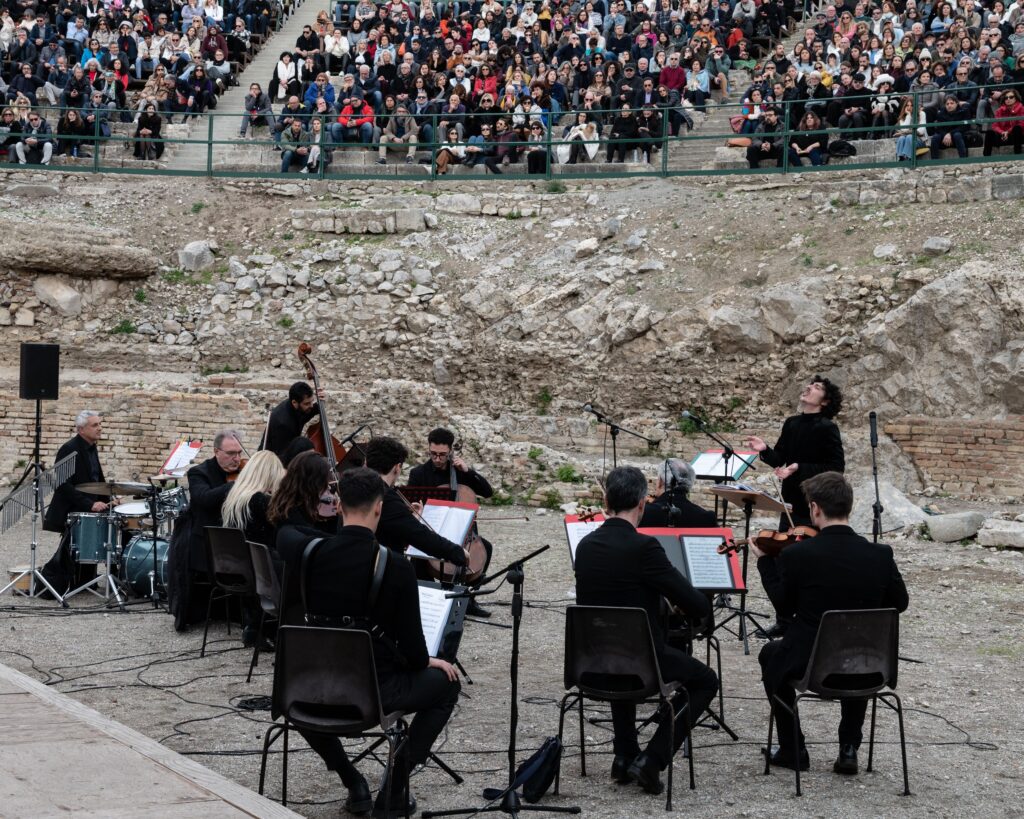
399, 528
285, 425
673, 509
428, 475
811, 441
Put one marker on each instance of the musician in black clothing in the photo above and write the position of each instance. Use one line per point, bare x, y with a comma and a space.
442, 467
617, 566
337, 585
671, 506
399, 527
60, 571
809, 445
837, 569
289, 417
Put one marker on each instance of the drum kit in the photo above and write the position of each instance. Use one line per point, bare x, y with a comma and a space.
130, 538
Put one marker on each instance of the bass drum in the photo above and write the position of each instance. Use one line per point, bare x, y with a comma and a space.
137, 563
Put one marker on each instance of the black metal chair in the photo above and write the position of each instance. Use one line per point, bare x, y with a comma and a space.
325, 681
855, 656
609, 657
270, 591
230, 570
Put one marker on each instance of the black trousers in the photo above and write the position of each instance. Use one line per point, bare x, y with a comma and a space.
428, 693
851, 721
700, 684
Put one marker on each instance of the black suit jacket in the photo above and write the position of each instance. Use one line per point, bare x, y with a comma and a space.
685, 515
617, 566
207, 488
66, 499
428, 475
285, 425
399, 528
811, 441
838, 569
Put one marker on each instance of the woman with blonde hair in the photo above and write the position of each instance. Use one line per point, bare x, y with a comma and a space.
246, 505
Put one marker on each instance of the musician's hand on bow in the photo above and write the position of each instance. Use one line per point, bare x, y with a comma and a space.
417, 508
783, 472
756, 444
460, 464
446, 667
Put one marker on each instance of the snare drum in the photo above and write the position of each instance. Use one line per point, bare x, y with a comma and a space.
133, 515
91, 535
173, 501
137, 563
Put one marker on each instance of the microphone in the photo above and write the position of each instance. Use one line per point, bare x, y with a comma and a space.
349, 438
873, 420
593, 408
695, 418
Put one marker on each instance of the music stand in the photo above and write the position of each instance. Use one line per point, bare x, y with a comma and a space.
749, 500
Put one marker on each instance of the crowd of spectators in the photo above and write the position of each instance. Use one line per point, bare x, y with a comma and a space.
929, 76
496, 82
86, 62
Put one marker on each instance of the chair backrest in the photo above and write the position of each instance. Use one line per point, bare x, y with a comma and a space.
856, 652
609, 653
229, 560
327, 675
268, 587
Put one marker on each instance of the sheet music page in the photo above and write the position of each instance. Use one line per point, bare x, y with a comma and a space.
708, 569
434, 516
181, 456
712, 463
456, 524
435, 610
412, 551
575, 531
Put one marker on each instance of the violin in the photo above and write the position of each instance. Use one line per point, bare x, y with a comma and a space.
318, 431
771, 541
586, 514
233, 476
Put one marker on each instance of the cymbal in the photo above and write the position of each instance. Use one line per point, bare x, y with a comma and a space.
115, 488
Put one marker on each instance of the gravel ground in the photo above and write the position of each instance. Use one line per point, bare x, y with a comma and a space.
963, 721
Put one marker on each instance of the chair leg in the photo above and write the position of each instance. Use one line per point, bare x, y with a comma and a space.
768, 747
871, 734
796, 742
689, 741
256, 650
718, 657
389, 773
672, 746
268, 740
562, 708
284, 770
227, 611
583, 743
898, 708
206, 625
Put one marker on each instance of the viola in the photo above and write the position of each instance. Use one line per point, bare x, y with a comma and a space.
771, 541
233, 476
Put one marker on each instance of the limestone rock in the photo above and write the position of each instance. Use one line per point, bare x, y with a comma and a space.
610, 227
739, 330
441, 374
24, 318
5, 317
953, 527
885, 251
936, 245
898, 511
83, 253
586, 248
459, 203
1002, 533
791, 314
60, 296
236, 268
247, 284
195, 256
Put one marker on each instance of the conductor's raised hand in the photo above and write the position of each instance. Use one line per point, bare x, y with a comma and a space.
446, 667
756, 444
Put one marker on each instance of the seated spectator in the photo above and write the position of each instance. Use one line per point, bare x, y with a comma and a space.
96, 115
401, 129
949, 128
239, 40
450, 152
809, 142
884, 105
453, 115
258, 111
718, 66
581, 141
320, 150
911, 137
537, 150
355, 122
148, 144
198, 91
1008, 127
285, 82
649, 131
71, 133
147, 58
698, 86
24, 82
508, 141
321, 88
623, 135
751, 112
292, 111
294, 146
219, 70
855, 109
35, 144
767, 141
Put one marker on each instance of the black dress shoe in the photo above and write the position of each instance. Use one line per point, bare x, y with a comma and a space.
647, 774
397, 808
773, 632
251, 635
846, 762
474, 609
359, 800
783, 758
620, 768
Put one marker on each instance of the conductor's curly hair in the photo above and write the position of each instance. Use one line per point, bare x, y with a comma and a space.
833, 397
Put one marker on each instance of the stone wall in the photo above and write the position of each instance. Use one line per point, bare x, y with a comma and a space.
965, 456
895, 186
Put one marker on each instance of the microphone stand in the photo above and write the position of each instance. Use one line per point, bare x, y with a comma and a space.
876, 507
511, 801
614, 428
728, 453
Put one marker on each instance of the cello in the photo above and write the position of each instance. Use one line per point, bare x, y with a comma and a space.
474, 544
318, 431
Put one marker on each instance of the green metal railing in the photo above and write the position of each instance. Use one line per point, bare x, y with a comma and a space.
678, 155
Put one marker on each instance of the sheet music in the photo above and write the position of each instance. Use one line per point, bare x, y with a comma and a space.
412, 551
181, 457
712, 463
707, 568
575, 531
450, 522
435, 610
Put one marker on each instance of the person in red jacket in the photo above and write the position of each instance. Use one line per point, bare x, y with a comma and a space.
673, 77
355, 123
1008, 128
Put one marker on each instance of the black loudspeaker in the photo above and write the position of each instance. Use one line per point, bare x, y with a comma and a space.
40, 371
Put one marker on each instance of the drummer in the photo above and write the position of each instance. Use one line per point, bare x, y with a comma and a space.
61, 571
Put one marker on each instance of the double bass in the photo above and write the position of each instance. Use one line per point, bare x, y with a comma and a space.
319, 431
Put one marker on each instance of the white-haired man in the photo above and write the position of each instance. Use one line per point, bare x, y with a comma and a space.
671, 505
